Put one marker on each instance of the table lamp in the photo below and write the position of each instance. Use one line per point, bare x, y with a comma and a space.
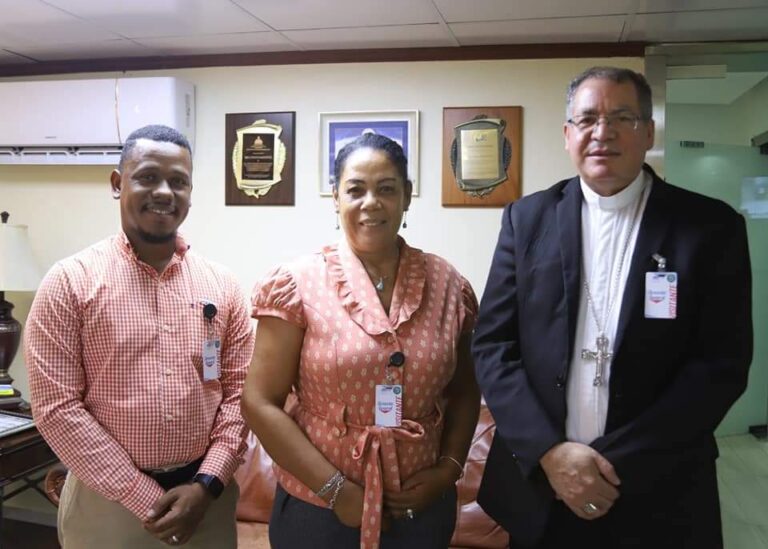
18, 273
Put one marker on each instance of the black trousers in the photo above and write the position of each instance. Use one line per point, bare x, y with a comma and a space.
685, 514
296, 524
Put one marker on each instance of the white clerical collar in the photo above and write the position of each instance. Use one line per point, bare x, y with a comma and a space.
621, 199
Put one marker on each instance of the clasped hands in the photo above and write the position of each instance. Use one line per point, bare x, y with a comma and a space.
582, 478
417, 493
174, 517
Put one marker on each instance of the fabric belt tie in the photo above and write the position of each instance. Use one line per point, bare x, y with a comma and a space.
376, 449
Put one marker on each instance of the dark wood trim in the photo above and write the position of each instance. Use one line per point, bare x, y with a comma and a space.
463, 53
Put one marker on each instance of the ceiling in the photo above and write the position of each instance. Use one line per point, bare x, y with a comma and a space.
36, 31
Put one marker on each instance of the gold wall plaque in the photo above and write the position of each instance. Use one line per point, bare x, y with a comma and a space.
258, 158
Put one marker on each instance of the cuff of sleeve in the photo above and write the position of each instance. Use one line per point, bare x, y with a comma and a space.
141, 496
221, 463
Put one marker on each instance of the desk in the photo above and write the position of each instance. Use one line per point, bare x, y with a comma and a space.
21, 456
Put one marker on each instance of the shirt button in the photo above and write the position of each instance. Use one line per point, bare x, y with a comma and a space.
169, 417
168, 371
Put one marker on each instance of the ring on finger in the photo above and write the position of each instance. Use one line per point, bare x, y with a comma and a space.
175, 539
409, 514
590, 508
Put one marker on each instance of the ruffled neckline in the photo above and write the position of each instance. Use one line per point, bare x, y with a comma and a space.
360, 299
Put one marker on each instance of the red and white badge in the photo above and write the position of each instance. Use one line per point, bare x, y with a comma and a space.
389, 405
211, 363
661, 295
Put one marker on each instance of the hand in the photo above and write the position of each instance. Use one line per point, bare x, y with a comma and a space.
349, 504
178, 512
579, 475
420, 490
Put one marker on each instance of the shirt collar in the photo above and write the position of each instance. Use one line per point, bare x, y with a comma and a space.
125, 245
621, 199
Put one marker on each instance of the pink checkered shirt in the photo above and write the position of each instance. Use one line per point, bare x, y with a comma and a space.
114, 352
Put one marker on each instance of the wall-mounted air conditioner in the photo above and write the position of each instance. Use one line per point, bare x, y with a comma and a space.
86, 121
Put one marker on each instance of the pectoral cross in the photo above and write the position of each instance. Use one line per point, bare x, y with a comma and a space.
601, 358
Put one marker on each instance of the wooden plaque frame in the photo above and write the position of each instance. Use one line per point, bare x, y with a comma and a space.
508, 191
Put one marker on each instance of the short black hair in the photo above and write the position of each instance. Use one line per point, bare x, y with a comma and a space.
618, 75
153, 132
377, 142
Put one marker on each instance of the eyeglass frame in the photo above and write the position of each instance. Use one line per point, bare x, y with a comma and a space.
609, 119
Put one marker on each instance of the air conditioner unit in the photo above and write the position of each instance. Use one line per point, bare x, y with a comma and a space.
86, 121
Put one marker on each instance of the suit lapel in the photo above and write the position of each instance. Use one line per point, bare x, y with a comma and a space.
569, 230
653, 229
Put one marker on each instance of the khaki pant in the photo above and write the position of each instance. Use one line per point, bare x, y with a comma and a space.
88, 520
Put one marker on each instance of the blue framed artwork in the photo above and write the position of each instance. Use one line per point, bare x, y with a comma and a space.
339, 128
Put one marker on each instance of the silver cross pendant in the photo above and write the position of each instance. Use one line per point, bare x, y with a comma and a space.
601, 357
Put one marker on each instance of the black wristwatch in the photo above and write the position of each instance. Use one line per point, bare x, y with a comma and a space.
212, 484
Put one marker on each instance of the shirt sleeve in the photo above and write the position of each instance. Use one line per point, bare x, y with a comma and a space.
469, 307
53, 354
278, 295
228, 444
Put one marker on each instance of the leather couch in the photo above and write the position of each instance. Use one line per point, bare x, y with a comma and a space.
474, 529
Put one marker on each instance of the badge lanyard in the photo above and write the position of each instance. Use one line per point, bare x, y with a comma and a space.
211, 346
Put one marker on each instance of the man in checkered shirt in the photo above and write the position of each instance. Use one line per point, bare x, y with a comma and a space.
137, 349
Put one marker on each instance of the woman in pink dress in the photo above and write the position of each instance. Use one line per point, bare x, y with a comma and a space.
372, 337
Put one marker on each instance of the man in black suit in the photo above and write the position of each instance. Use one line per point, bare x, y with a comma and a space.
614, 334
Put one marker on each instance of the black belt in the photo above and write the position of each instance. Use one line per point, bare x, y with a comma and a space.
175, 477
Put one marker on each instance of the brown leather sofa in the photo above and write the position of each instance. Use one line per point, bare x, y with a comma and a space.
474, 529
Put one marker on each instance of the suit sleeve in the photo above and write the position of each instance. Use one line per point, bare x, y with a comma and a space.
715, 371
521, 420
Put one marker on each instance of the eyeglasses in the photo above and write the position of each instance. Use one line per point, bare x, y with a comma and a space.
619, 122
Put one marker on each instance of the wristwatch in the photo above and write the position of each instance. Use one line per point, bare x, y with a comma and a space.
212, 484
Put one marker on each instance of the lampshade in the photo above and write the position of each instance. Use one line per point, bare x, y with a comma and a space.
18, 269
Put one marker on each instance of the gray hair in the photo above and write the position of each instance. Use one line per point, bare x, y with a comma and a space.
619, 76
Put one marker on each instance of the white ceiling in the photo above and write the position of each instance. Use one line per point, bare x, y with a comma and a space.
55, 30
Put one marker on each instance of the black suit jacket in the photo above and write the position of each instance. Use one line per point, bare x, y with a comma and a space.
672, 381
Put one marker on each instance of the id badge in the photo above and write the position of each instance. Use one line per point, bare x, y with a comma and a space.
661, 295
211, 366
389, 405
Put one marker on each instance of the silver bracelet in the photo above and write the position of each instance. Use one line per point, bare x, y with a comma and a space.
329, 484
336, 490
456, 462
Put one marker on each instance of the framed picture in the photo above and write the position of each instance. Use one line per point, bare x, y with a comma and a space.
482, 163
339, 128
259, 158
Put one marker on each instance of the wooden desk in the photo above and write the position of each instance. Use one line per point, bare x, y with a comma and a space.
21, 456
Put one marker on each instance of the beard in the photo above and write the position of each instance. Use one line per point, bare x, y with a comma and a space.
151, 238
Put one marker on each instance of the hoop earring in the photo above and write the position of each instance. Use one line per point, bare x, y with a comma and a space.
337, 221
405, 219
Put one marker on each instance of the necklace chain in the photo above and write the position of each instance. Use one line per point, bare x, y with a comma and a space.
602, 353
380, 280
613, 292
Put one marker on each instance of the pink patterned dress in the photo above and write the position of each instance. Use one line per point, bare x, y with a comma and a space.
348, 340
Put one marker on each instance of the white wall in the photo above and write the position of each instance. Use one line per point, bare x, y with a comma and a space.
68, 208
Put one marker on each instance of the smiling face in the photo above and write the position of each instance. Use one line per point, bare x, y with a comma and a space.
370, 198
607, 157
154, 189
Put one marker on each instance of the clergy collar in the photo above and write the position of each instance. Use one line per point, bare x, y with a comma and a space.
621, 199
